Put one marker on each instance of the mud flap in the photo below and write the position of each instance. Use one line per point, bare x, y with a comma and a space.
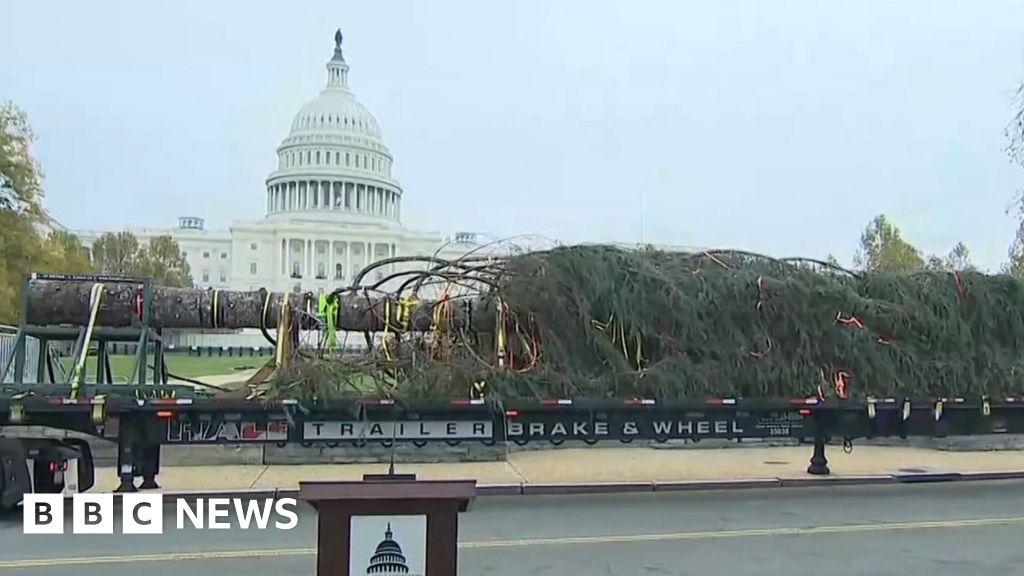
86, 466
14, 478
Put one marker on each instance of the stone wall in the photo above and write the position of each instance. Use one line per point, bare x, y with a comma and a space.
105, 452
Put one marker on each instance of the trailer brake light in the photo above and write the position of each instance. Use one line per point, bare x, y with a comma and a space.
164, 414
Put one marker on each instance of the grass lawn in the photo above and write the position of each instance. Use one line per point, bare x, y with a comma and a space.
179, 364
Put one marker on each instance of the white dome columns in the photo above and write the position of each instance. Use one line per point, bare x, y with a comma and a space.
313, 262
295, 195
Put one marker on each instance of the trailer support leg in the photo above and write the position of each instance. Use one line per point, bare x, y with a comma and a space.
126, 457
150, 467
819, 464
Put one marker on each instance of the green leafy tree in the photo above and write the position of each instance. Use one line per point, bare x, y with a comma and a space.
958, 260
160, 258
20, 175
1015, 133
883, 249
25, 244
165, 262
1015, 263
118, 253
63, 252
19, 243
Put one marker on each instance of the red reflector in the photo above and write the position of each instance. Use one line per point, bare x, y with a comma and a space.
511, 412
805, 411
63, 464
164, 414
53, 466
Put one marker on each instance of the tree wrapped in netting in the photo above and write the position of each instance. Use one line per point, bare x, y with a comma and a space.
601, 321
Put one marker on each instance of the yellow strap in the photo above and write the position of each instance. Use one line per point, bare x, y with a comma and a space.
405, 305
95, 296
266, 308
500, 340
387, 326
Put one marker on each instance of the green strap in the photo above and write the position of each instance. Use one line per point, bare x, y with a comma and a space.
327, 308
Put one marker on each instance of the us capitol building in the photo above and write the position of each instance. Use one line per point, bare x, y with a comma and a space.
332, 207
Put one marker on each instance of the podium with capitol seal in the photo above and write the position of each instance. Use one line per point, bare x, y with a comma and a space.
388, 524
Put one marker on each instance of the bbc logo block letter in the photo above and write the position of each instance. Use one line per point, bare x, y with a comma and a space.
142, 514
92, 513
43, 514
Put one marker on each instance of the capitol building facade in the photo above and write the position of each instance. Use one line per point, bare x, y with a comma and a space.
332, 207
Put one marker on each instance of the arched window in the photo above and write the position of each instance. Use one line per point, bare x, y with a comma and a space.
348, 159
357, 160
337, 158
296, 269
339, 271
321, 271
309, 157
318, 157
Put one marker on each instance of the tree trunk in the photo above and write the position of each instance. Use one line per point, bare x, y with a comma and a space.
53, 302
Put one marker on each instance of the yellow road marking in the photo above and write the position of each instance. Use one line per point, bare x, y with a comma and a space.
495, 544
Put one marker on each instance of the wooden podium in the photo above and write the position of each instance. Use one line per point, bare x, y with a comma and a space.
388, 524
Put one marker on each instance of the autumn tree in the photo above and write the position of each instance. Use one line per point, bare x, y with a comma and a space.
160, 258
29, 239
883, 249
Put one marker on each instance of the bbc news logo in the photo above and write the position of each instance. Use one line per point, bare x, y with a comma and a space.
144, 513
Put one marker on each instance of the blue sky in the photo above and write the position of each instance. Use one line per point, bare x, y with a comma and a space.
780, 127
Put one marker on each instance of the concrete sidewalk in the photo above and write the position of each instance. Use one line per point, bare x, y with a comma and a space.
565, 467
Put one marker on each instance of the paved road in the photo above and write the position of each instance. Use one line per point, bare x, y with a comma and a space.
936, 529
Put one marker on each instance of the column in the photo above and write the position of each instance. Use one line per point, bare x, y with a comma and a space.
369, 253
330, 260
348, 258
308, 272
287, 256
282, 257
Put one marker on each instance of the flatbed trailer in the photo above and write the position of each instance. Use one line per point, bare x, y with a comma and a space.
148, 413
141, 426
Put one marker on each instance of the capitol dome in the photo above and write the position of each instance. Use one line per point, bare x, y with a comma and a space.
334, 161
